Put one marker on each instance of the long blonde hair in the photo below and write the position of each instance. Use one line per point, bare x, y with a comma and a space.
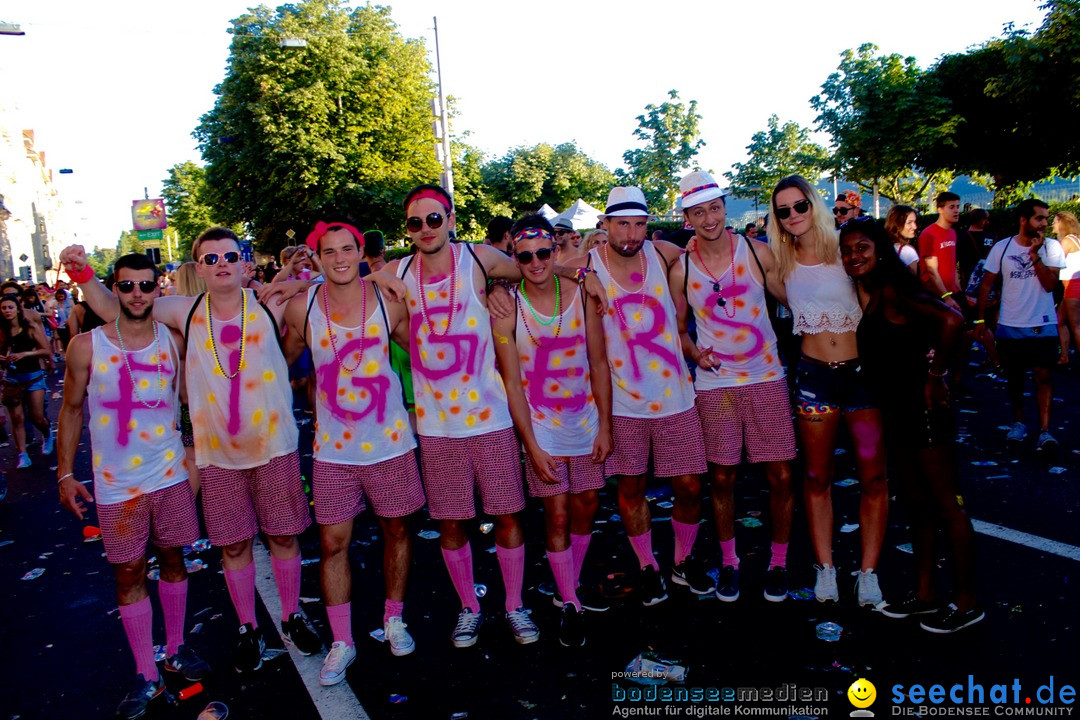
592, 240
188, 281
822, 234
1068, 223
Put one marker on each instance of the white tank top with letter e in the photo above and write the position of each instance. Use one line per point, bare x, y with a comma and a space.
241, 408
649, 378
133, 435
361, 418
555, 374
458, 389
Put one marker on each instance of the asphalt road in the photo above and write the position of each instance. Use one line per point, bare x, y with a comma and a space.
64, 653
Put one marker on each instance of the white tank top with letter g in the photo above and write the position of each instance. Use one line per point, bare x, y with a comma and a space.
649, 378
136, 444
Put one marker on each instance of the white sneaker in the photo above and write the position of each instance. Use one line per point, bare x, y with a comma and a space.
524, 629
1017, 433
867, 590
337, 661
467, 628
825, 587
401, 642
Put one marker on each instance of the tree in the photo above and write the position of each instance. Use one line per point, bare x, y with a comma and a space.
342, 123
671, 137
776, 153
527, 177
185, 194
474, 204
883, 113
102, 260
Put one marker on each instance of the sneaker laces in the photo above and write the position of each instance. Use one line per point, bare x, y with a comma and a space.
335, 659
866, 583
467, 621
520, 622
395, 631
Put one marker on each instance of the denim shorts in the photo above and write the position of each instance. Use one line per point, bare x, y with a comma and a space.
824, 387
16, 385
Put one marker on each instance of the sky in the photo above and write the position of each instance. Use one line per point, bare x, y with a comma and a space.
113, 90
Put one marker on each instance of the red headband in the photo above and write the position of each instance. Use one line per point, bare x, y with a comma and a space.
431, 195
321, 228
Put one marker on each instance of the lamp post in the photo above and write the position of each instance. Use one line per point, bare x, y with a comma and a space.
447, 161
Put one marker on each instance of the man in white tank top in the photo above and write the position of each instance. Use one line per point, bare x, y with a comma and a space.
742, 395
363, 441
245, 434
652, 393
129, 369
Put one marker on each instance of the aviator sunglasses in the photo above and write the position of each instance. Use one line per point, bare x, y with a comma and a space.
800, 207
126, 286
211, 259
434, 221
525, 256
841, 211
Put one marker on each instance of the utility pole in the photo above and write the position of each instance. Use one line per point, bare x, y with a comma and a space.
447, 160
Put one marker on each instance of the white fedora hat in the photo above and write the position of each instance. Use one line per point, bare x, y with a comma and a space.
699, 187
625, 201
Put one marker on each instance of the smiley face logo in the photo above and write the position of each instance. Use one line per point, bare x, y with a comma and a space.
862, 693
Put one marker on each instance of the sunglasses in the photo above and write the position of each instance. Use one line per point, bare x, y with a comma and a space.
525, 256
434, 221
560, 231
801, 207
841, 211
211, 259
146, 286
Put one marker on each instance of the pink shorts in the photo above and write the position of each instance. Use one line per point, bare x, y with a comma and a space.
674, 442
165, 517
393, 486
576, 475
756, 417
452, 467
237, 504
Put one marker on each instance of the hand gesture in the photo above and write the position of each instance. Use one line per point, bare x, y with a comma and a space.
73, 258
391, 285
72, 494
544, 465
602, 445
500, 304
595, 289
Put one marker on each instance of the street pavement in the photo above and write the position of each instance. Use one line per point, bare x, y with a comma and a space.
64, 653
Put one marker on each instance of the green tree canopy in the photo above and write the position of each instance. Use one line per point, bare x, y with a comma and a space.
775, 153
185, 194
527, 177
672, 141
342, 123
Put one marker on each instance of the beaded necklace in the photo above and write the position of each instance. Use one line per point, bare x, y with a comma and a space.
243, 336
423, 299
558, 314
720, 301
640, 291
127, 363
363, 328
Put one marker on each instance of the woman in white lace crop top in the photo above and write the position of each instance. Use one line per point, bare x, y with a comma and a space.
830, 386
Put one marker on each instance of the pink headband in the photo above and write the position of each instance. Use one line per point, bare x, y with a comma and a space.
431, 195
322, 228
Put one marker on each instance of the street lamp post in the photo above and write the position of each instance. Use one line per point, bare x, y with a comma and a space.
447, 161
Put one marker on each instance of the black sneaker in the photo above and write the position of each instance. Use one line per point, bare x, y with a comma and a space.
249, 649
571, 627
951, 619
727, 588
911, 605
651, 587
299, 634
186, 662
776, 585
588, 597
140, 696
691, 574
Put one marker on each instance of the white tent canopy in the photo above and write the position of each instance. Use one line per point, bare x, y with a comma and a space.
581, 214
548, 212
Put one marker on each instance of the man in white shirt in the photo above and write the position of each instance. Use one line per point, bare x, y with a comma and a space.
1027, 325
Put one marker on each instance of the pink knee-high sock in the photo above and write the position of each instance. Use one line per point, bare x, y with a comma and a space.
512, 562
138, 619
340, 617
642, 545
287, 574
685, 535
779, 555
459, 563
562, 567
173, 604
392, 608
727, 549
241, 584
579, 545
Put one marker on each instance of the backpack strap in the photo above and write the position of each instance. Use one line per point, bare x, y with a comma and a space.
307, 315
761, 269
191, 313
686, 278
468, 246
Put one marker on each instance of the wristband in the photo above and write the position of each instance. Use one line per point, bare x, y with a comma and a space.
80, 276
938, 376
946, 295
65, 477
980, 321
581, 273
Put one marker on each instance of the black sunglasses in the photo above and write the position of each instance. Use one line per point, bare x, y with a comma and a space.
525, 256
433, 220
800, 207
126, 286
211, 259
841, 211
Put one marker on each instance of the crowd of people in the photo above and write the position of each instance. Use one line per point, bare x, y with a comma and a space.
605, 356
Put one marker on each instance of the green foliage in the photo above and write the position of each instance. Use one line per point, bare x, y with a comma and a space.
672, 140
185, 194
776, 153
525, 178
664, 226
474, 204
102, 260
341, 124
882, 113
